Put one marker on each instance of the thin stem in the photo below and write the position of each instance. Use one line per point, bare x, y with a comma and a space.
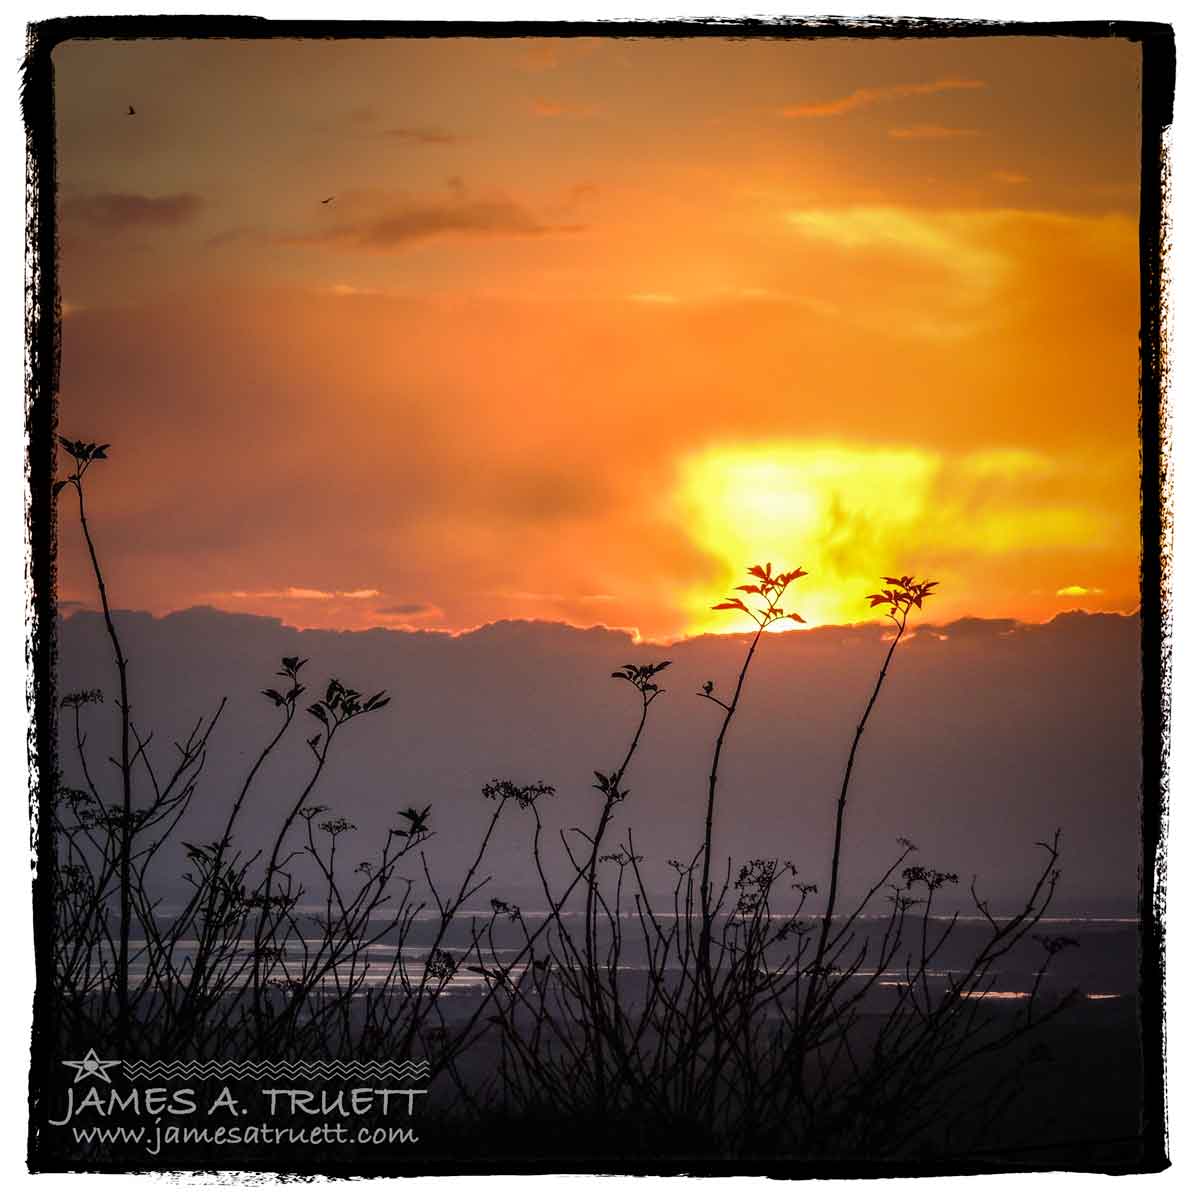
827, 920
706, 913
126, 768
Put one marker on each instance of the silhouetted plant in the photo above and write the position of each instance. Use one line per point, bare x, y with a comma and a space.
215, 977
742, 1032
731, 1024
766, 612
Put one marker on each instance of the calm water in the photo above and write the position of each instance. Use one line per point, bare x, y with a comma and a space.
1103, 966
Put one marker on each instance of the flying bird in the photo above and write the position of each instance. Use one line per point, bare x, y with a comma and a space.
132, 112
328, 200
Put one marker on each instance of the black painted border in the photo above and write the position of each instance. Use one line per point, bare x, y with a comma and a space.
42, 358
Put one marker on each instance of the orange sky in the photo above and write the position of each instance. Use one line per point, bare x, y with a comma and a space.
590, 325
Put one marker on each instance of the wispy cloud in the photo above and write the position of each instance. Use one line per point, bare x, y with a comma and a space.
560, 108
1014, 177
868, 96
401, 224
303, 593
119, 212
423, 136
958, 241
408, 615
961, 258
733, 296
540, 55
555, 597
931, 133
349, 289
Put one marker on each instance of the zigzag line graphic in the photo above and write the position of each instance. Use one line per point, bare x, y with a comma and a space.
322, 1071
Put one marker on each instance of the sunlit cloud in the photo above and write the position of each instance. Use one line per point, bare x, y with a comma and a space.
530, 597
868, 96
349, 289
735, 296
963, 247
849, 513
303, 593
956, 241
951, 274
1005, 463
1076, 590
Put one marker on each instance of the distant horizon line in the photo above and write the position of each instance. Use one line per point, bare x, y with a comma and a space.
75, 608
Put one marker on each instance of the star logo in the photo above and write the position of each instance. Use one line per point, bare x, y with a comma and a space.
92, 1065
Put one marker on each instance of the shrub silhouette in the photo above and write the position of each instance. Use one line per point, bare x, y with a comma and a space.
736, 1023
